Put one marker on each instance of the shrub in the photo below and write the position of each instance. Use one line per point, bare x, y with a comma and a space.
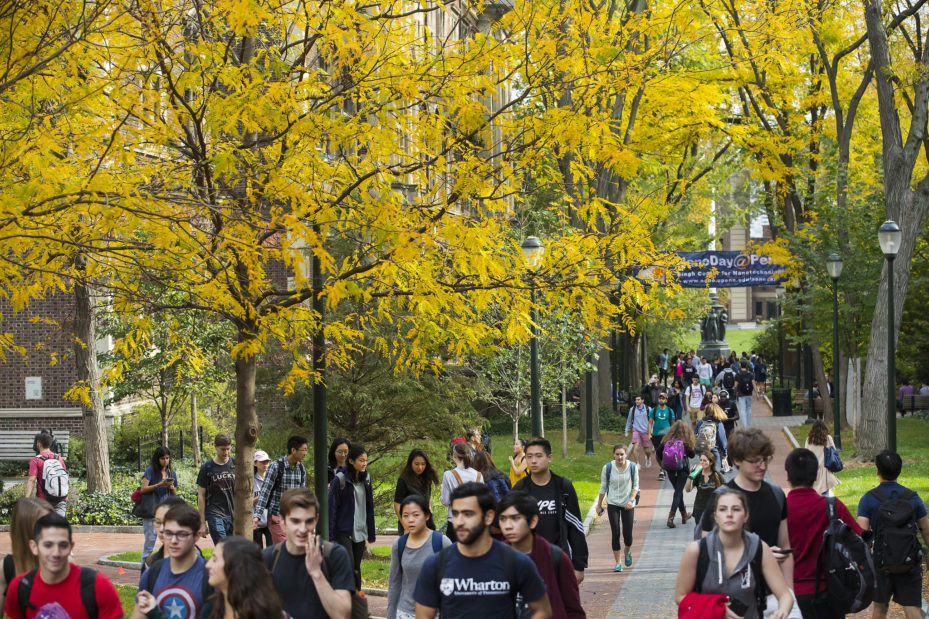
146, 422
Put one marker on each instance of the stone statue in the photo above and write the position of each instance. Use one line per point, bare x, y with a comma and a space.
722, 319
709, 327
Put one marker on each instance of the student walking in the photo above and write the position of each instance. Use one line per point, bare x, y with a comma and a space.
408, 553
706, 480
693, 395
282, 475
351, 508
417, 477
732, 561
215, 488
519, 468
711, 433
660, 419
817, 441
675, 399
161, 479
338, 453
462, 473
48, 478
638, 422
619, 483
261, 534
680, 438
745, 386
159, 521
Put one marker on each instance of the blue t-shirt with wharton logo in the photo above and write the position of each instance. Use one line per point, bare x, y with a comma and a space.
477, 586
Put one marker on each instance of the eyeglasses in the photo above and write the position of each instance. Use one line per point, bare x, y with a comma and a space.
761, 461
181, 536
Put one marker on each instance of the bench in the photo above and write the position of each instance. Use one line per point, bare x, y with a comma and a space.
17, 444
802, 403
913, 403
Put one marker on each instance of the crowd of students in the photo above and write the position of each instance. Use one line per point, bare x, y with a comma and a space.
514, 544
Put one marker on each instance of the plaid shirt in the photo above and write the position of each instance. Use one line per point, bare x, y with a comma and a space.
270, 498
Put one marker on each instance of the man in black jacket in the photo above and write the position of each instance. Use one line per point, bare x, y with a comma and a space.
560, 519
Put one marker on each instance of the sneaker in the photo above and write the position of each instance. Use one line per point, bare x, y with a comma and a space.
648, 463
628, 558
661, 476
618, 567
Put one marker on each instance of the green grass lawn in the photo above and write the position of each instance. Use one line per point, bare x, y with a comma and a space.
859, 477
738, 339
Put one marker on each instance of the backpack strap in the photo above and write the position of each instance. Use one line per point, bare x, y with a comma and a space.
478, 479
152, 574
831, 515
88, 587
9, 572
24, 591
401, 546
509, 568
557, 552
276, 555
436, 542
609, 469
761, 586
703, 564
457, 476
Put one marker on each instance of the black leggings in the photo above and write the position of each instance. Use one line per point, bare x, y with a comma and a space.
616, 515
678, 480
356, 551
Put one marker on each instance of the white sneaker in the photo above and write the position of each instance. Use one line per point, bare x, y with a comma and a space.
648, 463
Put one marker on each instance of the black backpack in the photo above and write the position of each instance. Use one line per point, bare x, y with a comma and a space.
88, 582
745, 384
896, 545
845, 563
729, 381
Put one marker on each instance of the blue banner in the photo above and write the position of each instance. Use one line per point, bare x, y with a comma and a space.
734, 269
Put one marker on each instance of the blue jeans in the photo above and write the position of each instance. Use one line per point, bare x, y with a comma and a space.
745, 410
219, 528
148, 529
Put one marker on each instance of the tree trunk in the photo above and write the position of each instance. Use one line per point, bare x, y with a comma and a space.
853, 393
88, 374
246, 433
595, 402
194, 430
564, 421
828, 412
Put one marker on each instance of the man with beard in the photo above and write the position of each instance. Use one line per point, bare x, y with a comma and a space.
478, 576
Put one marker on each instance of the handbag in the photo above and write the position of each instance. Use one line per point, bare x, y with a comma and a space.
831, 459
702, 606
144, 504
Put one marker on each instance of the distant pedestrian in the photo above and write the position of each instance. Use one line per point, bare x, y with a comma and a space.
760, 370
638, 421
161, 479
351, 508
679, 437
660, 419
53, 446
663, 367
261, 534
215, 489
338, 452
817, 441
705, 373
21, 560
462, 473
619, 484
407, 555
283, 474
745, 386
693, 395
676, 399
519, 468
417, 477
48, 478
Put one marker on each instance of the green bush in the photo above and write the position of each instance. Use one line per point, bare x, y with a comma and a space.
77, 457
145, 421
8, 500
14, 468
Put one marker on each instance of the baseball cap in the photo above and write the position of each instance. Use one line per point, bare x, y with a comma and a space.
261, 456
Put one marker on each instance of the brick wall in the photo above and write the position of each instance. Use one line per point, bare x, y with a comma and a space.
74, 425
45, 341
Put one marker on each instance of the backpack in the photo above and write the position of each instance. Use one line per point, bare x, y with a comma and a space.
845, 563
88, 582
359, 603
674, 456
635, 471
435, 538
745, 384
499, 486
896, 546
728, 381
761, 587
55, 483
706, 436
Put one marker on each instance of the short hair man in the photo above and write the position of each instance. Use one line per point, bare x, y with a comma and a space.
178, 581
807, 520
158, 521
560, 519
306, 587
905, 589
282, 474
59, 588
478, 576
518, 513
638, 421
36, 481
693, 396
215, 490
751, 452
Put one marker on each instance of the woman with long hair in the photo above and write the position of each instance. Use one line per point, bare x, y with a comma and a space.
706, 480
351, 502
619, 483
462, 473
161, 478
519, 468
680, 433
496, 480
417, 477
817, 441
714, 433
243, 586
418, 544
262, 534
338, 452
675, 401
735, 558
21, 560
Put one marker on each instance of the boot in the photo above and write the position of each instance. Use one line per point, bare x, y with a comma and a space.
684, 516
671, 524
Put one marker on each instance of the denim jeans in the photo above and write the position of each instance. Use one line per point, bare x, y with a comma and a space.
148, 529
219, 528
745, 410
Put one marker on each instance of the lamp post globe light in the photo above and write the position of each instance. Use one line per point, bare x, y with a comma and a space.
532, 251
834, 268
889, 237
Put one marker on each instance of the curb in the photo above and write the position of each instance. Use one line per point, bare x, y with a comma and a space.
129, 565
790, 437
379, 593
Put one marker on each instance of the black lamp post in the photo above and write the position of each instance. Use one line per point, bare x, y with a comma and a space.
532, 251
834, 268
779, 291
889, 235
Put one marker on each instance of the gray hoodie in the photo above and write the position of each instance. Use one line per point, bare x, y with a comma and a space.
742, 582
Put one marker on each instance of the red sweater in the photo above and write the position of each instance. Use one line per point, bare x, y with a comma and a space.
806, 522
563, 593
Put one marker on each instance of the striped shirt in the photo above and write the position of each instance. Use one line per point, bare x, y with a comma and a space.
271, 490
